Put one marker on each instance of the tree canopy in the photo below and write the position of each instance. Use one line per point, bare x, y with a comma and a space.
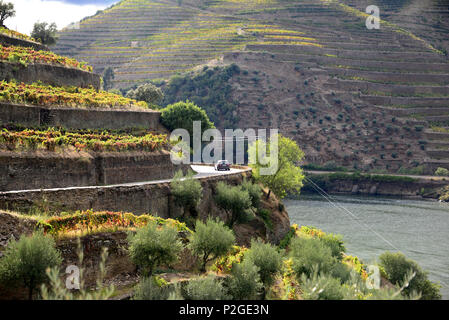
181, 115
211, 240
147, 92
6, 11
45, 32
187, 191
289, 176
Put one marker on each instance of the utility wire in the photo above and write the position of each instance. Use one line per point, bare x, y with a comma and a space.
325, 195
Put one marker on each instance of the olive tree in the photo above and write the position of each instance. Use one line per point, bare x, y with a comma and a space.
267, 258
147, 92
25, 261
187, 191
244, 283
396, 267
152, 246
210, 241
254, 190
6, 11
234, 200
44, 32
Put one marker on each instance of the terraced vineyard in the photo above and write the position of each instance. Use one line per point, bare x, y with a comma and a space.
50, 139
146, 40
365, 99
43, 95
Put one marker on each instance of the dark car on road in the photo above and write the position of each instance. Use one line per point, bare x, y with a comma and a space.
223, 165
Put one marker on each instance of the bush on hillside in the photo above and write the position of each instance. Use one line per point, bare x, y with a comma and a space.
151, 289
254, 190
210, 241
147, 92
207, 288
265, 215
321, 287
268, 259
334, 242
443, 172
44, 32
396, 267
153, 246
282, 176
234, 200
327, 287
24, 262
181, 115
244, 283
309, 255
187, 191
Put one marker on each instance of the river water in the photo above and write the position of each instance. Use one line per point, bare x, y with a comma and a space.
373, 225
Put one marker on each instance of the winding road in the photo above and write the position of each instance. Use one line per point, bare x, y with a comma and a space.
202, 171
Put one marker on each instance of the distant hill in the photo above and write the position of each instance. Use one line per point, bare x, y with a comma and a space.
364, 99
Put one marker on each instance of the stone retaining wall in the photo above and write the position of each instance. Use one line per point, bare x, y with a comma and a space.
48, 74
151, 198
28, 115
42, 170
12, 41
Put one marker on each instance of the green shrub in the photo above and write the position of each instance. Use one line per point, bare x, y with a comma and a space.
44, 32
334, 242
396, 266
284, 178
151, 247
244, 284
207, 288
266, 217
187, 192
210, 241
254, 191
336, 245
181, 116
150, 289
147, 92
285, 242
309, 254
25, 261
321, 287
234, 200
341, 271
267, 258
327, 287
443, 172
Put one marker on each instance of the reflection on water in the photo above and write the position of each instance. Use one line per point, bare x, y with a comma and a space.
419, 229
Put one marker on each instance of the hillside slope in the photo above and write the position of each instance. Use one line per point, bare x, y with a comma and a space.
365, 99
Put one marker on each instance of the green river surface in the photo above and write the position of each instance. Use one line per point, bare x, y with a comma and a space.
373, 225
